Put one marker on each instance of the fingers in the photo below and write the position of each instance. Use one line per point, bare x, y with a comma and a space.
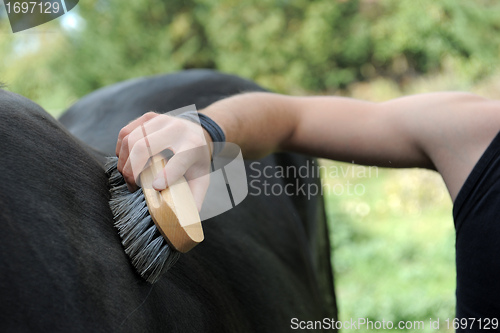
135, 163
140, 145
125, 131
152, 134
127, 138
193, 163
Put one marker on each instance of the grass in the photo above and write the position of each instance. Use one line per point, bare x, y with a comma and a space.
392, 244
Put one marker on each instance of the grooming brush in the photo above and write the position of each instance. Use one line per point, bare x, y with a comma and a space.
155, 227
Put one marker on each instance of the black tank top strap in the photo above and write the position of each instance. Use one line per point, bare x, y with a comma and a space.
477, 179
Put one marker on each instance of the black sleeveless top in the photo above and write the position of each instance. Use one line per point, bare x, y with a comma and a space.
476, 213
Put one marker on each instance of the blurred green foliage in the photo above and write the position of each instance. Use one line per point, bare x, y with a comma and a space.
286, 45
393, 244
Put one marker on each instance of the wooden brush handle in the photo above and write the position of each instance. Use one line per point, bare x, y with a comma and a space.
173, 210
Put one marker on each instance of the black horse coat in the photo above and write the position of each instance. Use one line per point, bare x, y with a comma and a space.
62, 266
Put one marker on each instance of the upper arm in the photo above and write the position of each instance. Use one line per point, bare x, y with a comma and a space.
453, 129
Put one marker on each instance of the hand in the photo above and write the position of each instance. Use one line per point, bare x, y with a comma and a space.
152, 134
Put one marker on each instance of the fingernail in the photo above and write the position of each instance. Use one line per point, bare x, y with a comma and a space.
159, 184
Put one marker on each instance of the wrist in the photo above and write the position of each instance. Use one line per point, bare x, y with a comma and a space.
215, 137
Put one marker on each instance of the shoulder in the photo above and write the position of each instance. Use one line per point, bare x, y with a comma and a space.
455, 130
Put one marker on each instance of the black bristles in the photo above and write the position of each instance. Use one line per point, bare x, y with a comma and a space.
149, 252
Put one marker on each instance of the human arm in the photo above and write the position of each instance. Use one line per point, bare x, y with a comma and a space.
443, 131
446, 131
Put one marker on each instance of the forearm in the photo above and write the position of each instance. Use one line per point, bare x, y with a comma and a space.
339, 128
331, 127
260, 123
397, 133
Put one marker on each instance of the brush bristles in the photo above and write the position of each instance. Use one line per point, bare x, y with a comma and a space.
143, 243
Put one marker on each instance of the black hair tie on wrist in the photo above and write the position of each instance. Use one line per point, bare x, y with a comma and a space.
214, 130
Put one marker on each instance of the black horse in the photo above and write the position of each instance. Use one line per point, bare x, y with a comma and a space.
62, 266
